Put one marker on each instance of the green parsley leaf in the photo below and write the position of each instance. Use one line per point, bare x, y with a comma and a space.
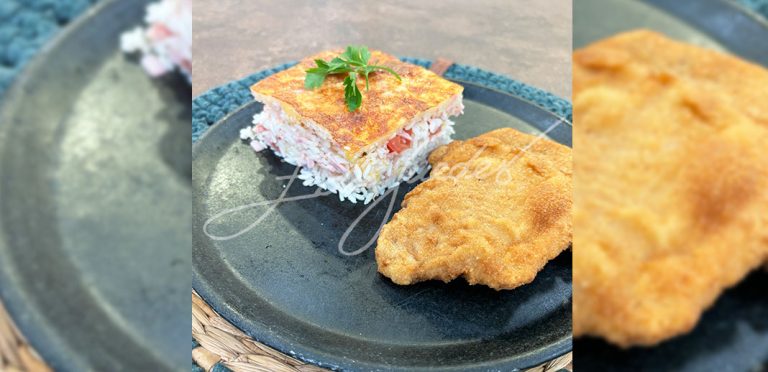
352, 94
356, 55
321, 64
314, 79
365, 73
338, 66
353, 62
387, 69
365, 55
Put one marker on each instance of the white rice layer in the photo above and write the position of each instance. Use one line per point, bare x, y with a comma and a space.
368, 175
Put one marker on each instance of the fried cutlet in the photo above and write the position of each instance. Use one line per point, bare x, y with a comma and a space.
495, 210
671, 186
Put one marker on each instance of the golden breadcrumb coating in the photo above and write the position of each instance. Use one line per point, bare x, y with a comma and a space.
492, 211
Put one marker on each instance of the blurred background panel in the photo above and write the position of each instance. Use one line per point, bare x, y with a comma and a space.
95, 192
732, 333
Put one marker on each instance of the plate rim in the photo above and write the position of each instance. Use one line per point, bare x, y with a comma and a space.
677, 10
306, 353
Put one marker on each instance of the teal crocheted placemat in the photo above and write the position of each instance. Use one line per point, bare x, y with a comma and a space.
211, 106
26, 25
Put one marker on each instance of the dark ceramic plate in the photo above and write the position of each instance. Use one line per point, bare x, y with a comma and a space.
286, 283
733, 335
95, 207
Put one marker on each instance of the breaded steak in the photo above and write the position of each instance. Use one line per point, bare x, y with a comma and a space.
495, 210
671, 184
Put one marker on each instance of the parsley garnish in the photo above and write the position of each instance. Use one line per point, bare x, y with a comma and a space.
353, 62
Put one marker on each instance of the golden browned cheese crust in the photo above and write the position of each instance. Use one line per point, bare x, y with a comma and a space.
387, 106
491, 212
671, 187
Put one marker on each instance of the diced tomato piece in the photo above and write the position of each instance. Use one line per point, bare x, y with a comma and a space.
159, 31
399, 143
